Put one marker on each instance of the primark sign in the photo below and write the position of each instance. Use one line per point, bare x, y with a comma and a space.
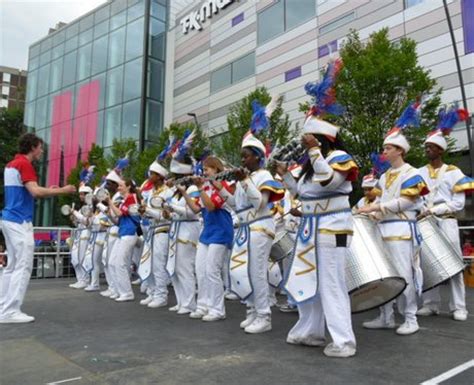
196, 18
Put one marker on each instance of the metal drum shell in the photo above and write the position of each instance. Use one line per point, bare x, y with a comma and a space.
372, 279
439, 259
282, 246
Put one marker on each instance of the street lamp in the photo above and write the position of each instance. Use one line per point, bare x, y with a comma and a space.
195, 118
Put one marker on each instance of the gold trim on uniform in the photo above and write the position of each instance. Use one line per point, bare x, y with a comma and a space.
185, 242
335, 232
390, 178
263, 230
398, 238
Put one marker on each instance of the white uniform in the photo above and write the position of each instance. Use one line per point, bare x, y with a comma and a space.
79, 247
447, 187
316, 279
400, 202
183, 238
99, 224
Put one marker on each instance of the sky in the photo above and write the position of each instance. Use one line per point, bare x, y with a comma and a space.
23, 22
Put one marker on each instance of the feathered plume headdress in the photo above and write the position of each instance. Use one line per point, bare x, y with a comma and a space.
261, 115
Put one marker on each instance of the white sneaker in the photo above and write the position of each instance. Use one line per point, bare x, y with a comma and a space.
146, 301
231, 297
307, 341
183, 310
156, 303
17, 318
460, 315
197, 314
114, 296
138, 281
106, 293
333, 351
174, 308
90, 288
408, 328
213, 317
259, 325
125, 298
379, 323
81, 285
426, 311
251, 315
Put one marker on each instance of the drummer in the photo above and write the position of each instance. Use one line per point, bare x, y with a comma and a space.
371, 191
402, 188
448, 186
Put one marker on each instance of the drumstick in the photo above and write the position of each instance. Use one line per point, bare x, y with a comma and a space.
297, 207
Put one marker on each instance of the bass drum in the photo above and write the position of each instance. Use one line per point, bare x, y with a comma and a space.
372, 279
440, 261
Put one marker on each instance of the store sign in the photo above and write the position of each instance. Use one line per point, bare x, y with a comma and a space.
196, 18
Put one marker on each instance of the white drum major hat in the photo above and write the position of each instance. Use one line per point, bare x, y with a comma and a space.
409, 117
159, 169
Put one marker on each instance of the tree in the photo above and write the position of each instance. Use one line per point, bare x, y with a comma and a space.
11, 128
239, 117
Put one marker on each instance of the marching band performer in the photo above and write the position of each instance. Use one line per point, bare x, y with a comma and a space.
158, 281
316, 279
253, 241
120, 260
184, 231
215, 241
81, 240
402, 187
371, 192
448, 186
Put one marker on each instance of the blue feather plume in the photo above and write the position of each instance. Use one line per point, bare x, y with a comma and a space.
379, 164
410, 116
259, 121
171, 143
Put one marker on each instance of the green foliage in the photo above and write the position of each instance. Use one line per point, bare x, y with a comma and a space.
239, 117
11, 128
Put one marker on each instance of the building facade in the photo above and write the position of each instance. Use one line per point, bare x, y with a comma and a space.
224, 49
13, 86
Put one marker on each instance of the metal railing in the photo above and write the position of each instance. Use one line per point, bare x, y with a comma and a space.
52, 257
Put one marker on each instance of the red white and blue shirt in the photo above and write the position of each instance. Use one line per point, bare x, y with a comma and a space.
19, 203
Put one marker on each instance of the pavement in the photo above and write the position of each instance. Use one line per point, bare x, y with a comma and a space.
82, 338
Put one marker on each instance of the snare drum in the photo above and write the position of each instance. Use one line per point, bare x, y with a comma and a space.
282, 246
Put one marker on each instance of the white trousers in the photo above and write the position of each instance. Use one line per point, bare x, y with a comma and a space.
16, 275
331, 305
184, 280
260, 245
401, 253
97, 261
210, 260
109, 277
120, 262
457, 290
81, 273
159, 276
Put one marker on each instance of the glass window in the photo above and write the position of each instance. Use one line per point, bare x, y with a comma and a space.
30, 114
411, 3
86, 23
34, 50
154, 111
71, 30
133, 79
56, 75
58, 51
134, 46
71, 44
136, 10
271, 22
84, 62
69, 68
45, 58
131, 120
86, 36
59, 37
46, 44
32, 86
243, 67
113, 122
118, 5
155, 79
116, 47
114, 86
100, 128
101, 29
33, 63
158, 10
118, 20
99, 55
102, 14
102, 79
43, 80
157, 39
41, 113
298, 11
331, 26
221, 78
